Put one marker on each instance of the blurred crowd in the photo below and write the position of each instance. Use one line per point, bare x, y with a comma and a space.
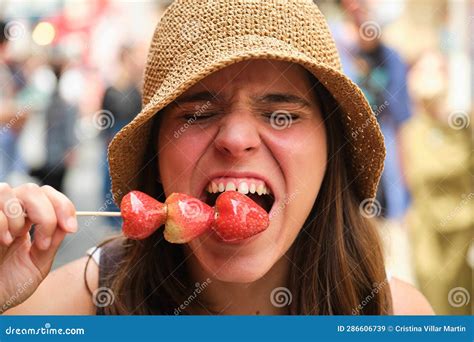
70, 76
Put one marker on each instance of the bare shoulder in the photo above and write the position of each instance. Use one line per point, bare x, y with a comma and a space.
407, 300
63, 292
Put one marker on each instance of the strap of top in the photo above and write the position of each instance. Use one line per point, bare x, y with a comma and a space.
109, 261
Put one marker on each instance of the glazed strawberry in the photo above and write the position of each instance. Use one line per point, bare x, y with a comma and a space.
141, 214
188, 218
238, 217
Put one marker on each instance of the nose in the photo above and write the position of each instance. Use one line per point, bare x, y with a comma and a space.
238, 135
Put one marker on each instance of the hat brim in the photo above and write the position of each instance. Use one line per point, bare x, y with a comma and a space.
365, 141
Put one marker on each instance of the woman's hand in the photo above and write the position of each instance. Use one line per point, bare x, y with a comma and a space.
24, 264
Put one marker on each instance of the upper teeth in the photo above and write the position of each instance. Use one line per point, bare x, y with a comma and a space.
242, 186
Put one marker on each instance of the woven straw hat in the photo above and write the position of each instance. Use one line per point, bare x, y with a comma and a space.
198, 37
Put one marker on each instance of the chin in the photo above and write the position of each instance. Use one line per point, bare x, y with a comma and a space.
243, 262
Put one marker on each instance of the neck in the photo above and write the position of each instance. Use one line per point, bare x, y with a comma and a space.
226, 298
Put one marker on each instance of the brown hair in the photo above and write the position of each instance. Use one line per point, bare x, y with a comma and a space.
339, 262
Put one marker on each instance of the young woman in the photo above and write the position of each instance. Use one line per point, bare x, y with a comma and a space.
243, 95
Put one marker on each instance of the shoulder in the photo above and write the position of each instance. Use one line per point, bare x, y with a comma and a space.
63, 292
407, 300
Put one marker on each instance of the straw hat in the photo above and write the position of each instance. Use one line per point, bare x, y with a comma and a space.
198, 37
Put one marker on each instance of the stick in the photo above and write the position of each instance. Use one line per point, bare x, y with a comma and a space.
98, 213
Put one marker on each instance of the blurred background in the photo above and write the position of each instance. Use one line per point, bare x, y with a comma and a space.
70, 78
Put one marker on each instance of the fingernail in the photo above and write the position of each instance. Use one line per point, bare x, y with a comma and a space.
7, 238
45, 243
71, 224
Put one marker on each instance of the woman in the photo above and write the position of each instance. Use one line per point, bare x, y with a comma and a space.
234, 92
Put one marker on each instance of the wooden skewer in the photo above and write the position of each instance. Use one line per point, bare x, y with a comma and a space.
98, 213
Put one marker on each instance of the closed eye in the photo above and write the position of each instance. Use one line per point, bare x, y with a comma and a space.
281, 115
193, 117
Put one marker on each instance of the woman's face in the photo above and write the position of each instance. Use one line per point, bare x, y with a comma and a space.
253, 125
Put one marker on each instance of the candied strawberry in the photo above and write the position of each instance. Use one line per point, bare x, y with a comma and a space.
188, 218
141, 214
238, 217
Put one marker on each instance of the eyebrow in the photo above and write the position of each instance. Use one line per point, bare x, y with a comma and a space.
282, 98
202, 96
271, 98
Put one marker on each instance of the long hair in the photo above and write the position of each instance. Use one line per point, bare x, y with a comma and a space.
338, 261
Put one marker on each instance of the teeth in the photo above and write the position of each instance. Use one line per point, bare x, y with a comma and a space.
243, 188
230, 187
253, 187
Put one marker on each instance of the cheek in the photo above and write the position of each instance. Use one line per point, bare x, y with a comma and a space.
303, 159
179, 151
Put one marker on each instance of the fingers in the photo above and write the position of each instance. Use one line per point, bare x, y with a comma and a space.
44, 206
12, 210
43, 259
40, 211
64, 209
5, 236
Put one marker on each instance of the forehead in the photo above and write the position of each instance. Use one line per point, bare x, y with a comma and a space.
257, 75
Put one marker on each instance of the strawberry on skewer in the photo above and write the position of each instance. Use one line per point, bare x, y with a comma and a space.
141, 214
238, 217
235, 217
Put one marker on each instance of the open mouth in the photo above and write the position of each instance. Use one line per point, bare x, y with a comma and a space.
257, 190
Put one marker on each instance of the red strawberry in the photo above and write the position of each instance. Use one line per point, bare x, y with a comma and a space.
141, 214
188, 218
238, 217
